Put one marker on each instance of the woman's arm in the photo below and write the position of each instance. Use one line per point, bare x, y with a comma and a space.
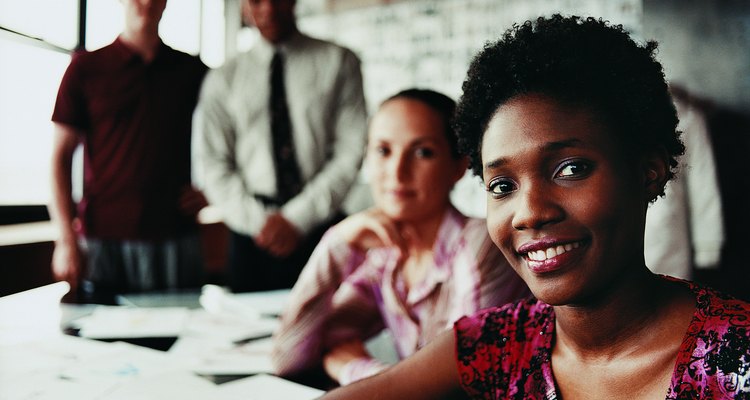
429, 374
350, 362
298, 344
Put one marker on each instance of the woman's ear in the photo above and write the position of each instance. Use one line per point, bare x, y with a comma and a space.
656, 173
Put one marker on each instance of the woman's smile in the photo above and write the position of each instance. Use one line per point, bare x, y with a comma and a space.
553, 258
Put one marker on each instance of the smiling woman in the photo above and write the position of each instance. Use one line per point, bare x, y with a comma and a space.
411, 264
570, 125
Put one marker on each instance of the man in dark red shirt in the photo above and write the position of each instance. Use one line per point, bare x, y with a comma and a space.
130, 103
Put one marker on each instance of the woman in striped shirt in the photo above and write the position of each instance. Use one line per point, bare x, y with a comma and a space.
412, 264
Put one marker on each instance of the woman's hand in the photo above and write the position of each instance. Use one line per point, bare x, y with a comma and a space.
335, 360
370, 229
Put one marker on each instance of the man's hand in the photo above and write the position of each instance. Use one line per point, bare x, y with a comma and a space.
278, 236
66, 262
191, 201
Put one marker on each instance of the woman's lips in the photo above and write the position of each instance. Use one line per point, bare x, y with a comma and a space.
552, 258
401, 193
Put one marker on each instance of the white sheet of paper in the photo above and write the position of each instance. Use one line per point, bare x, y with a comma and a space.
50, 386
108, 322
266, 387
53, 354
227, 327
32, 314
270, 302
180, 385
208, 356
127, 363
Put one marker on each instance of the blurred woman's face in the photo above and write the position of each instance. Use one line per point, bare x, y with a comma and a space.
409, 161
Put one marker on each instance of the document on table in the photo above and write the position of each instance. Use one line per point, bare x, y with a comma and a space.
108, 322
208, 356
266, 387
228, 327
31, 314
77, 368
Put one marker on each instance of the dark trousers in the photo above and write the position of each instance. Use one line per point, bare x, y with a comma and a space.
252, 269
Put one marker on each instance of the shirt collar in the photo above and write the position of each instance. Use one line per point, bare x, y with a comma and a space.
267, 49
125, 54
447, 243
448, 239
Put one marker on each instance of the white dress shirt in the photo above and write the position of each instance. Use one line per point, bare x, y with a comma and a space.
685, 229
232, 148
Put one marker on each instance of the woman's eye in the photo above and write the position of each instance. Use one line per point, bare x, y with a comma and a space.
424, 152
382, 151
573, 169
500, 187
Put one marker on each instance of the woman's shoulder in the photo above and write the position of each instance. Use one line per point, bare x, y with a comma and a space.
715, 354
716, 306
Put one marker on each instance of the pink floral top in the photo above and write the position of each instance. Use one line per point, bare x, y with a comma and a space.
504, 353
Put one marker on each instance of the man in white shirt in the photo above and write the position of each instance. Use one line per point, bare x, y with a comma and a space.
685, 229
271, 237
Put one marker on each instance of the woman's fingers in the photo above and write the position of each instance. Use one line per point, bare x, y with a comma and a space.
369, 229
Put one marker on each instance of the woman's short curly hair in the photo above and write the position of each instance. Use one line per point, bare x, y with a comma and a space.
576, 61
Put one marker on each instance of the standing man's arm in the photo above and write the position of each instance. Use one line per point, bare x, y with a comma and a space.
66, 259
323, 194
215, 167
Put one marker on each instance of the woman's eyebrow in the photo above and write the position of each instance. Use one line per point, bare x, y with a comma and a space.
547, 147
562, 144
494, 164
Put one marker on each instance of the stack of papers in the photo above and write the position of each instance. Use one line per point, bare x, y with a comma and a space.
230, 337
75, 368
113, 322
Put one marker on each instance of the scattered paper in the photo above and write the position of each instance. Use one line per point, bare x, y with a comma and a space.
231, 335
228, 327
266, 387
212, 357
107, 322
180, 385
32, 314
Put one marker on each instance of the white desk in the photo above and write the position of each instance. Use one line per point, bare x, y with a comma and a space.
57, 366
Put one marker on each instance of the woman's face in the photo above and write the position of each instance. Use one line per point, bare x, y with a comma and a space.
564, 205
409, 162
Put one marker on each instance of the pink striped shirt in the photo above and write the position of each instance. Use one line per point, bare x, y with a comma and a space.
345, 294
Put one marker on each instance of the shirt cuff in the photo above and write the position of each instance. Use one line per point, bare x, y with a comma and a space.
707, 258
360, 368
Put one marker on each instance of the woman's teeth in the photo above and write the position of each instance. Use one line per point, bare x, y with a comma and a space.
541, 255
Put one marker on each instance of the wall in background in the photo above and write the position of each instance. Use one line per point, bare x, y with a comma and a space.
704, 46
430, 43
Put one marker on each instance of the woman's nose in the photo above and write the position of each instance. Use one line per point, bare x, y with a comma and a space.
401, 167
535, 208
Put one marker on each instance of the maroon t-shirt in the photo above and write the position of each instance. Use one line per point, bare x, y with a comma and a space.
136, 120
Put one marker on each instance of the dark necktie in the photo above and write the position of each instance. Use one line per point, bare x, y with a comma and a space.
288, 181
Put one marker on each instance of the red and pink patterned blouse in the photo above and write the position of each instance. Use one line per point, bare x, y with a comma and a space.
505, 353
